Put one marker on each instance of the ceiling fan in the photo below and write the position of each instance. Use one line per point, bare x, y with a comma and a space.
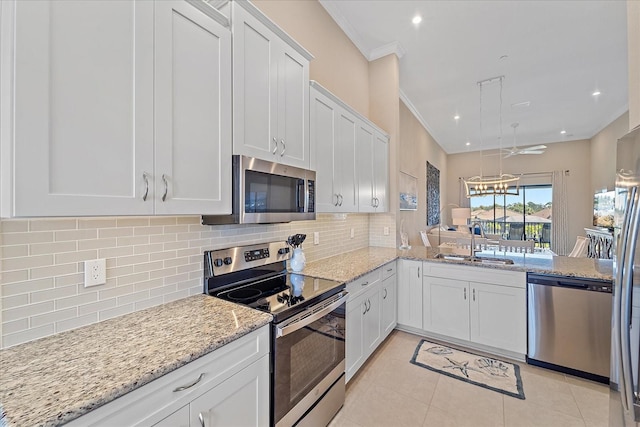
514, 151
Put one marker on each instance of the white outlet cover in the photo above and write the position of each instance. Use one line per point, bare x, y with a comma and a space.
386, 231
316, 237
95, 272
353, 234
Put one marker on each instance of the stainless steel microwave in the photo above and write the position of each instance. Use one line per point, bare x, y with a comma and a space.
266, 192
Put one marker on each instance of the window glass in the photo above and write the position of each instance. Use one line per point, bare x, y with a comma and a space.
526, 216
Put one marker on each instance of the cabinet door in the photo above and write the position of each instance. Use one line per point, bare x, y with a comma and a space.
293, 108
355, 356
389, 305
83, 112
193, 111
410, 293
381, 171
323, 131
345, 162
446, 307
372, 331
364, 163
255, 87
499, 316
242, 400
180, 418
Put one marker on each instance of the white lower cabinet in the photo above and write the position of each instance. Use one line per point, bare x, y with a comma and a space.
410, 293
481, 306
229, 387
371, 315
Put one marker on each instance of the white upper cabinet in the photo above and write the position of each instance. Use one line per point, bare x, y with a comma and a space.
93, 134
270, 90
372, 168
332, 142
83, 108
193, 111
633, 46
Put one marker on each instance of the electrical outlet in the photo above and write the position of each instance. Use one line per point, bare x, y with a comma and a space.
95, 272
353, 234
316, 237
386, 231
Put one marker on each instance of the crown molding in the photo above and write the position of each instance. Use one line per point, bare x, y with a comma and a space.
387, 49
370, 54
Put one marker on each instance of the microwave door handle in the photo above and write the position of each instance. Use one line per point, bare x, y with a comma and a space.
297, 325
625, 301
301, 195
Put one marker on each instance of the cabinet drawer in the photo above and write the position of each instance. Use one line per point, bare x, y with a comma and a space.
158, 399
363, 282
388, 270
496, 276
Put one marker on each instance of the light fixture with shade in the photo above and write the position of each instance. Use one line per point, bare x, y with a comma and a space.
459, 217
503, 183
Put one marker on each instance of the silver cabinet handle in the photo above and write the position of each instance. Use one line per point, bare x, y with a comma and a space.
341, 199
275, 147
385, 294
418, 272
284, 147
166, 187
365, 309
365, 283
377, 202
337, 200
201, 419
373, 202
184, 387
389, 270
145, 176
465, 293
474, 294
368, 305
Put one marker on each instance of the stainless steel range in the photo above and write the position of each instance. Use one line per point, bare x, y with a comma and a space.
308, 332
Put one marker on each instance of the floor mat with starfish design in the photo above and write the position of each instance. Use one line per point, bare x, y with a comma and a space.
493, 374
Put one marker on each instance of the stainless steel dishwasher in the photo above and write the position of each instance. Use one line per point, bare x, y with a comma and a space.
569, 325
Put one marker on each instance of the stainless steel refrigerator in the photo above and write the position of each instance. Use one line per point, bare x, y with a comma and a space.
624, 408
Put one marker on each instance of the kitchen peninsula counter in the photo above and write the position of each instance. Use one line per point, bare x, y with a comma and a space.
58, 378
352, 265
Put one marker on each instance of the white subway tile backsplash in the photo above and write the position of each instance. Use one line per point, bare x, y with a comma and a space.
14, 251
52, 224
56, 316
150, 261
25, 238
26, 287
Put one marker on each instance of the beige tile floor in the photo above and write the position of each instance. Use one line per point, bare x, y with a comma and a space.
390, 391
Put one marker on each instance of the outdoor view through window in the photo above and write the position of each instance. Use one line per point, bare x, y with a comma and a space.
523, 217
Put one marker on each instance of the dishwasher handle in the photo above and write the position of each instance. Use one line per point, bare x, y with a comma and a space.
572, 283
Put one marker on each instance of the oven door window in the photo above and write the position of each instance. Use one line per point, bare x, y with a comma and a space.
305, 357
268, 193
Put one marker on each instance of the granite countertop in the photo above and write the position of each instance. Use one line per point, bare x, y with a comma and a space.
351, 265
59, 378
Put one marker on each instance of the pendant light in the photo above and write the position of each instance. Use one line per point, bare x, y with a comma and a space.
503, 183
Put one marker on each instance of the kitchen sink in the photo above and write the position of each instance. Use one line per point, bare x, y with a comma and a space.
480, 260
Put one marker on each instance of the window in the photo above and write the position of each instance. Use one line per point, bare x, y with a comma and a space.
523, 217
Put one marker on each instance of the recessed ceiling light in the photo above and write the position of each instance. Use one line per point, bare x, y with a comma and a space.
417, 19
596, 93
468, 143
456, 117
563, 132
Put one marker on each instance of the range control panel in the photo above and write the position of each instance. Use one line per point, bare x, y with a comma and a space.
256, 254
223, 261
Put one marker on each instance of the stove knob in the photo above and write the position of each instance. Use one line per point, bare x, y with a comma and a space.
228, 261
217, 262
283, 251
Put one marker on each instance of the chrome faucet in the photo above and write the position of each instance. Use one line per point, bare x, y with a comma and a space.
473, 236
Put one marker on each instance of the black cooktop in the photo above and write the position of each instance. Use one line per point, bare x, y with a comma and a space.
282, 295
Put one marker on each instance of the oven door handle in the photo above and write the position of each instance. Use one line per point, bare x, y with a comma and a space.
299, 324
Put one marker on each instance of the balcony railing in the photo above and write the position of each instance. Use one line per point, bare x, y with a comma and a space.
540, 232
